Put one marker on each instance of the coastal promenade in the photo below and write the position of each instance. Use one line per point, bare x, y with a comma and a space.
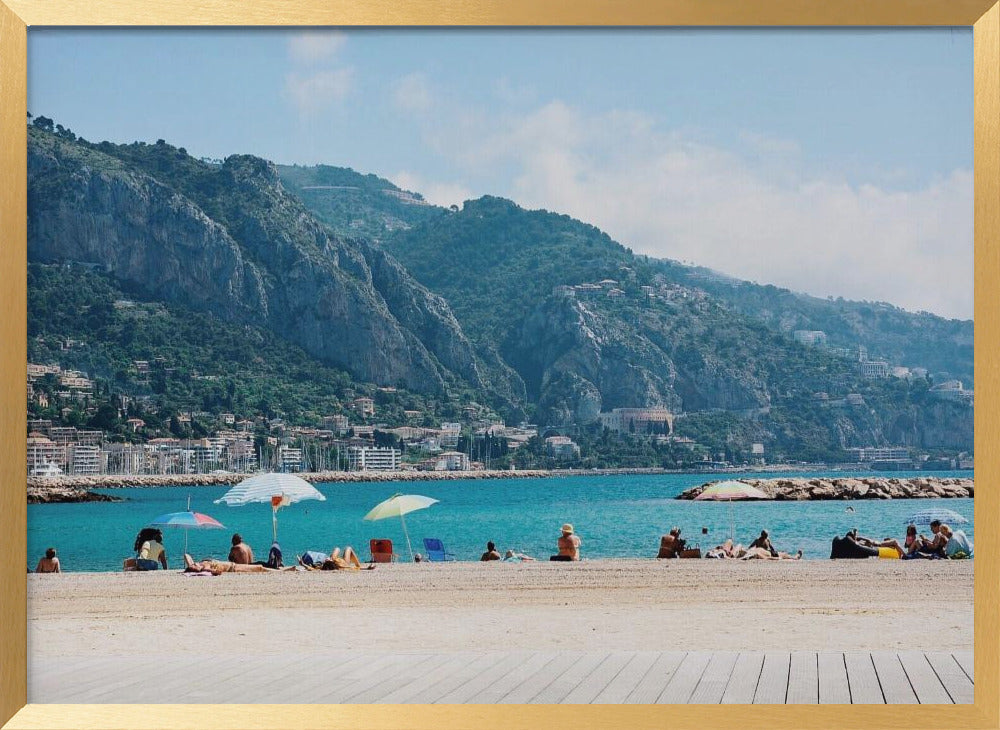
520, 677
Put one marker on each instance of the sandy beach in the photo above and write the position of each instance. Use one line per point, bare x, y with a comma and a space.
598, 604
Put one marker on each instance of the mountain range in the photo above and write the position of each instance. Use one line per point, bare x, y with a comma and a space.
532, 313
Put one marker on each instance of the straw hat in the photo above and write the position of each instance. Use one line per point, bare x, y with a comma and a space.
567, 529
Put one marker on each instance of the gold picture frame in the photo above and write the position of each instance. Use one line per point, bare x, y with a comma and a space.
17, 15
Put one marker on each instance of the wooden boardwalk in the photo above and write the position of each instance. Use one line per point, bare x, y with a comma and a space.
755, 677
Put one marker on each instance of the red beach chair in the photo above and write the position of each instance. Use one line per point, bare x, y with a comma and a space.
381, 551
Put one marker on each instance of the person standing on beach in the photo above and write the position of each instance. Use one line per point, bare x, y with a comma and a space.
48, 564
569, 545
240, 553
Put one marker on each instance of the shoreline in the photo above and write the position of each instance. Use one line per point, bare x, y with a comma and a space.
126, 481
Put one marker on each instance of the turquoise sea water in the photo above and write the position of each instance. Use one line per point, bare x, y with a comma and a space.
615, 516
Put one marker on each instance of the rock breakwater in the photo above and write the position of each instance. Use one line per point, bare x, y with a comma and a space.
854, 488
52, 494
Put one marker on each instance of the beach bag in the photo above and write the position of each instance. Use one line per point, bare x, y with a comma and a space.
690, 553
274, 558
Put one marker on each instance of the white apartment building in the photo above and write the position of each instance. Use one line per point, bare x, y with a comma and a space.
810, 337
84, 459
289, 458
372, 458
562, 447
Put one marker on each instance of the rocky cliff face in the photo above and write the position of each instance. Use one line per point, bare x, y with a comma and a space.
578, 358
240, 247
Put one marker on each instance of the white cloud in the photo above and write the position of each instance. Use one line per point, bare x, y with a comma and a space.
314, 46
756, 213
412, 93
311, 93
443, 194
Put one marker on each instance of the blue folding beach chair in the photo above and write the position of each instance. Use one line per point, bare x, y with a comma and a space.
435, 550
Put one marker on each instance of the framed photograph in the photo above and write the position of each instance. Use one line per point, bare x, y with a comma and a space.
580, 346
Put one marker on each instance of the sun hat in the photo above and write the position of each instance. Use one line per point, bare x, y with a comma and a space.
567, 528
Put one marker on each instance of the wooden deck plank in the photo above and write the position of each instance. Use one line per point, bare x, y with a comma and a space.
403, 672
174, 682
685, 679
896, 687
956, 682
489, 674
495, 691
446, 684
834, 688
412, 691
526, 692
803, 679
657, 677
743, 681
862, 679
772, 688
595, 682
311, 675
712, 685
924, 680
628, 678
358, 676
965, 661
568, 680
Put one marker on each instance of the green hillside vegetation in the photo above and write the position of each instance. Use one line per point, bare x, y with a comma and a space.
494, 262
353, 204
198, 362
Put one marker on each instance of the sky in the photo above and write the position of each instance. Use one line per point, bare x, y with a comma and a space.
834, 162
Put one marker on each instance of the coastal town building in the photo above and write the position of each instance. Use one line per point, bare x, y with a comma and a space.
562, 448
364, 407
952, 390
812, 338
289, 458
880, 453
372, 458
638, 420
874, 369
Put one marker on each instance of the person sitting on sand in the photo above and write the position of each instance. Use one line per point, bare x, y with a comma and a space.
671, 544
514, 557
240, 552
910, 542
569, 545
764, 542
48, 564
958, 544
149, 548
274, 557
491, 553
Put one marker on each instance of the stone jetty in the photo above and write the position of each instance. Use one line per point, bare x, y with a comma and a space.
118, 481
874, 487
52, 494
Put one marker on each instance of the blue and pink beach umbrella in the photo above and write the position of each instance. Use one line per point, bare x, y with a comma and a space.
187, 521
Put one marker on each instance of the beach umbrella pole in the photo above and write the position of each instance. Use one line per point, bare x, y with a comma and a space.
407, 535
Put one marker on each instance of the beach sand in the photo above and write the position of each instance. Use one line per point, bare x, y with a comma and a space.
591, 605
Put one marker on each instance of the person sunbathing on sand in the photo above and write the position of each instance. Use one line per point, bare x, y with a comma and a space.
726, 550
349, 561
757, 553
513, 557
217, 567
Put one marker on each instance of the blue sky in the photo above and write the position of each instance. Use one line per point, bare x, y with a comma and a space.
833, 162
